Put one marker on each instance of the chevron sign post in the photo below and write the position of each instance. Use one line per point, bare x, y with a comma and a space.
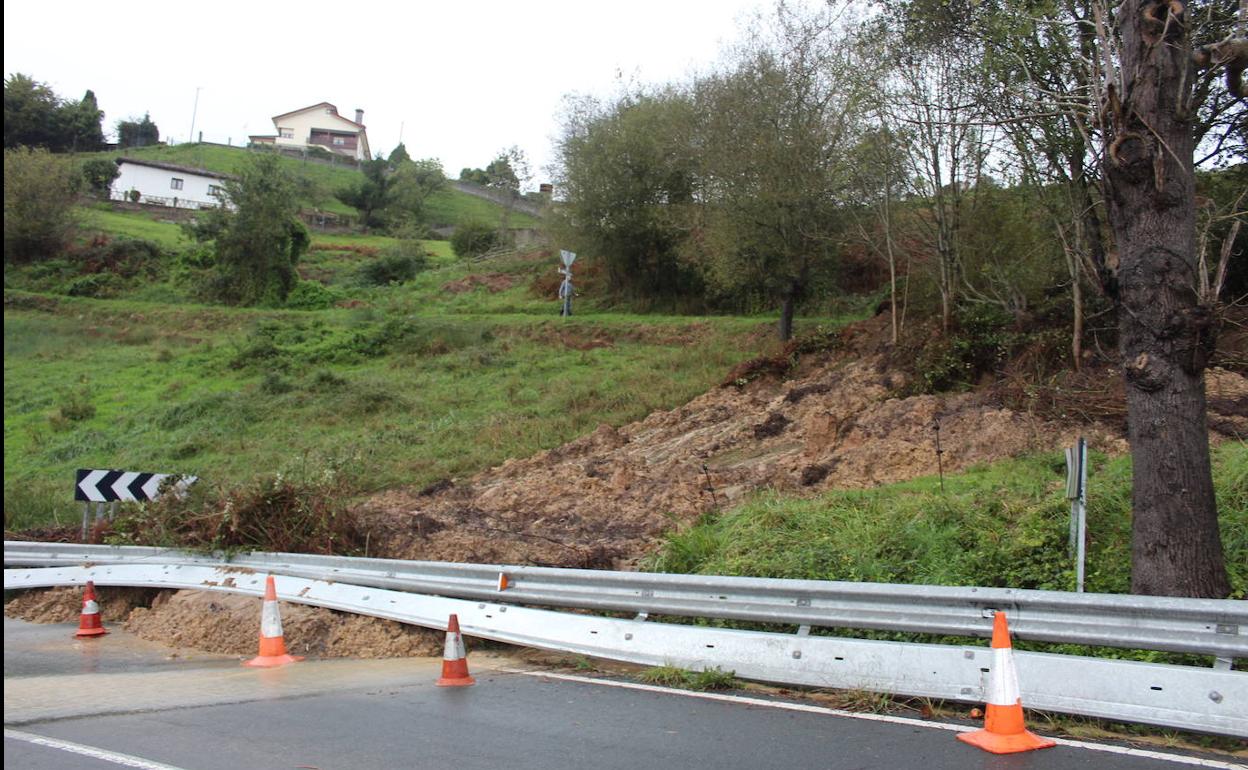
100, 487
125, 486
565, 288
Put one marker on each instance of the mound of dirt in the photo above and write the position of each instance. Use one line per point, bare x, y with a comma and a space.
230, 623
603, 500
63, 605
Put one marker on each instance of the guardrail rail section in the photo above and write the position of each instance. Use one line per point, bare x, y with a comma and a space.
1210, 699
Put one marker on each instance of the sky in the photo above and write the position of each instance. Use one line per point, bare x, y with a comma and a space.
457, 81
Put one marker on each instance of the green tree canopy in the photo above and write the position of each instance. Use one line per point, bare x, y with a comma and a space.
138, 133
258, 239
399, 156
391, 196
34, 116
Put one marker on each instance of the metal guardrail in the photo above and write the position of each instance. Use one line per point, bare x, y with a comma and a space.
1174, 696
1217, 627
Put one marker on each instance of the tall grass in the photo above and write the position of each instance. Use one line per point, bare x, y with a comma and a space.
221, 393
1002, 525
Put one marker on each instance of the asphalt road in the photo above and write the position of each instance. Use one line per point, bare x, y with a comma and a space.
118, 695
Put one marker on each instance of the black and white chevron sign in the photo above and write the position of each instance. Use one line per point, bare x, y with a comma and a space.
108, 486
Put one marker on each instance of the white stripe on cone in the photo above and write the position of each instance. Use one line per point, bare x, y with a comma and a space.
270, 620
454, 649
90, 607
1003, 681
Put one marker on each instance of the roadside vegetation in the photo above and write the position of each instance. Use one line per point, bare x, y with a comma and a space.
1004, 525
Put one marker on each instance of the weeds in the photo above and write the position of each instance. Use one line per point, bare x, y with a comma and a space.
273, 513
706, 679
74, 406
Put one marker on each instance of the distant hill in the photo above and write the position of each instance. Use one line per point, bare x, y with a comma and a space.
319, 180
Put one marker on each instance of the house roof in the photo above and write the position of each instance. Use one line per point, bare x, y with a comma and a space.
315, 106
174, 167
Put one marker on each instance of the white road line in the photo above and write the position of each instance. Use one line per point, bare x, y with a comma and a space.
746, 700
88, 751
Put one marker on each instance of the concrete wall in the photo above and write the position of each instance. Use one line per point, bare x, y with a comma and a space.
500, 197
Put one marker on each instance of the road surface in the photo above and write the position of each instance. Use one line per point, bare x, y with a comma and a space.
117, 701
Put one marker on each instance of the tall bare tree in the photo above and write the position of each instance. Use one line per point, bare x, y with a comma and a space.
935, 92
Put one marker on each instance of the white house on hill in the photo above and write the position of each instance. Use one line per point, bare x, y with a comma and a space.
319, 126
164, 184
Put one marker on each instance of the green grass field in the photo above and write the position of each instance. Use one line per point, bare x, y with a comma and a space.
318, 182
418, 381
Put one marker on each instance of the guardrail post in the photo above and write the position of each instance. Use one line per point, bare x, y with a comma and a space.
1220, 663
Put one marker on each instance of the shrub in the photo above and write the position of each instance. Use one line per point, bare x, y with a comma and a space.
125, 257
99, 175
274, 513
311, 295
275, 384
74, 406
982, 343
40, 190
472, 239
97, 285
392, 268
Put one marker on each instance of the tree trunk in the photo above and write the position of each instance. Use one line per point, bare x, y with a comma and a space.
786, 313
1165, 331
1076, 300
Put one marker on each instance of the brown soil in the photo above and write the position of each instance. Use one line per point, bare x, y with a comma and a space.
603, 500
229, 623
63, 605
492, 282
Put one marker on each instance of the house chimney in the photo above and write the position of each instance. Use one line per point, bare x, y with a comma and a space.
359, 116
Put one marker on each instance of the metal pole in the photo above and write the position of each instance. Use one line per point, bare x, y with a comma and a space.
86, 518
940, 464
1081, 504
194, 111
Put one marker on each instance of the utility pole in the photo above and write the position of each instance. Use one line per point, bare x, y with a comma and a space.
194, 111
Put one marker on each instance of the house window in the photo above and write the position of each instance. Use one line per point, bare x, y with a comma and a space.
215, 190
338, 140
287, 133
175, 184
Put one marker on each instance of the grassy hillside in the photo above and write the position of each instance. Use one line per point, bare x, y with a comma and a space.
417, 381
319, 181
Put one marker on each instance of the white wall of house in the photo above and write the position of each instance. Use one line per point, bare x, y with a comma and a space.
159, 186
300, 124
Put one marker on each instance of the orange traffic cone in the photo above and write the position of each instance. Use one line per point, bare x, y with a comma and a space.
272, 643
455, 659
1004, 730
89, 623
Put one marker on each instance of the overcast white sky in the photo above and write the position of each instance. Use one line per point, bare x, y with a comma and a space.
462, 80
